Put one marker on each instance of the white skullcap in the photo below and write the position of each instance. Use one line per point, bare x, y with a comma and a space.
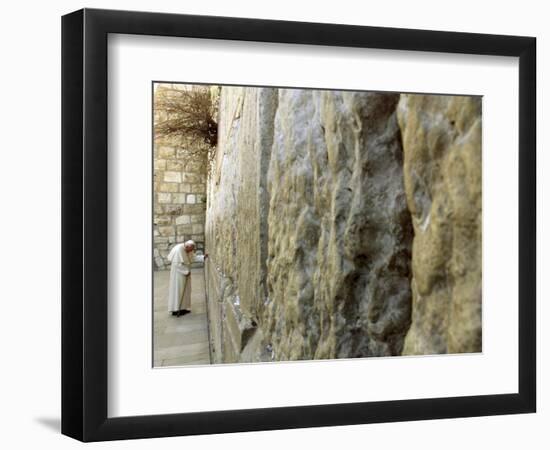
190, 242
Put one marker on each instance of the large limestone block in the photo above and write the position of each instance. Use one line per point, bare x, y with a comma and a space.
340, 234
442, 165
236, 220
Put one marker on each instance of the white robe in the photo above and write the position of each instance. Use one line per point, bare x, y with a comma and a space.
179, 290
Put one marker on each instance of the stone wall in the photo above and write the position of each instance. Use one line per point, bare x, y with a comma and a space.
344, 224
442, 166
236, 224
179, 189
308, 227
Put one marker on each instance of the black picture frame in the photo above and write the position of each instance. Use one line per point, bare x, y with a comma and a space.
84, 224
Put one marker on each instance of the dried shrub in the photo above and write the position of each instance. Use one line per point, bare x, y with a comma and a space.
187, 113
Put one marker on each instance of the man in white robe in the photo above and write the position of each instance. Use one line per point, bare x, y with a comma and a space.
179, 292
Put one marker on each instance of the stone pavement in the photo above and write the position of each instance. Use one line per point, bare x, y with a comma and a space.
181, 340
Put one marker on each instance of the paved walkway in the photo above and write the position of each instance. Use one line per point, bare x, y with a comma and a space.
181, 340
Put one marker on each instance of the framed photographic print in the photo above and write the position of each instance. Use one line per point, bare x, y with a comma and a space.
273, 224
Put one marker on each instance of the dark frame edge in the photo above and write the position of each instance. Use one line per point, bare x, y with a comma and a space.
84, 247
527, 212
214, 422
72, 252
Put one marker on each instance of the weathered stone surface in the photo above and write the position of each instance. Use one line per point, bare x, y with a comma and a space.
307, 219
235, 220
442, 167
339, 230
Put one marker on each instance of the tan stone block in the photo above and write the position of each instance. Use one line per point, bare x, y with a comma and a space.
166, 152
166, 231
194, 167
198, 228
185, 187
197, 218
194, 209
198, 189
160, 164
183, 229
162, 220
174, 165
172, 177
173, 210
168, 187
190, 178
179, 198
229, 352
164, 197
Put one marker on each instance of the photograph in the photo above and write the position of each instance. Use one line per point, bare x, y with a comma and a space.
301, 224
275, 225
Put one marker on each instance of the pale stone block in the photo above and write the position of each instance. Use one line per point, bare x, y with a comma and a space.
183, 220
172, 177
166, 152
191, 199
179, 198
160, 164
164, 198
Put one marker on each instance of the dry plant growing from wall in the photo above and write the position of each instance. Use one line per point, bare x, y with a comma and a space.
189, 114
